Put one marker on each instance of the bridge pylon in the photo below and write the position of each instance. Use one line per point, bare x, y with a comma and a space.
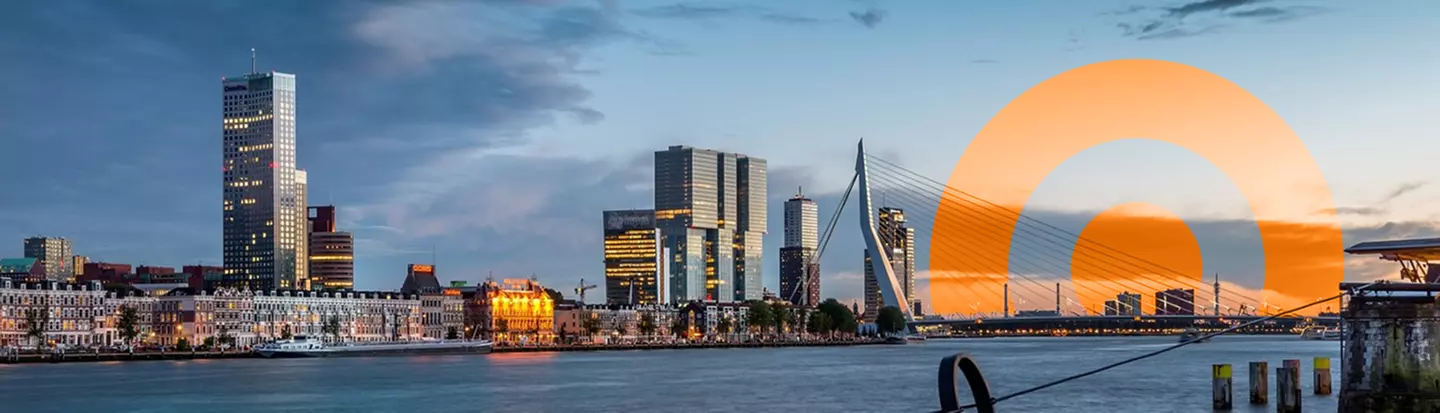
891, 292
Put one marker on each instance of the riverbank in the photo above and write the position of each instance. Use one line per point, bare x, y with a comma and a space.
680, 346
201, 355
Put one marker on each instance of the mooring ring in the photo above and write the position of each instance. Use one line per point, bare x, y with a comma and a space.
950, 384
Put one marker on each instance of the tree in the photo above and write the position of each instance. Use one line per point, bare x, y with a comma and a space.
723, 326
129, 324
647, 324
590, 324
223, 335
620, 329
452, 333
784, 317
285, 333
209, 342
182, 344
502, 326
37, 322
841, 319
677, 327
555, 296
759, 316
332, 327
818, 323
890, 320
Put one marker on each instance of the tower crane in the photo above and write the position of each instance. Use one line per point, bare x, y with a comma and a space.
582, 289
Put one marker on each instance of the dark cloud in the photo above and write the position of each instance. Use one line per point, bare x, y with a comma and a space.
709, 12
1382, 206
870, 18
1203, 17
1403, 189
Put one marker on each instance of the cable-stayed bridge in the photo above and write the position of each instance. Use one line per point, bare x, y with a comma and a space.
1050, 273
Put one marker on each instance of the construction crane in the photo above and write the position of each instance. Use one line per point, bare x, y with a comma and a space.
582, 289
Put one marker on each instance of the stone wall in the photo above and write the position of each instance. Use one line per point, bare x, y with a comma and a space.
1391, 355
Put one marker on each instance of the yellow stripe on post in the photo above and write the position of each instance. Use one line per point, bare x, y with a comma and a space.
1221, 371
1322, 362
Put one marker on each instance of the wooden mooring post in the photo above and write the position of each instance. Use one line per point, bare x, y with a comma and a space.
1220, 390
1322, 376
1287, 389
1259, 382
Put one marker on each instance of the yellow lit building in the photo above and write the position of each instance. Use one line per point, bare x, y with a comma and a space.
513, 310
632, 258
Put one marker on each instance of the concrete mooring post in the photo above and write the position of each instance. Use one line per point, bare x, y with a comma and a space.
1220, 389
1322, 376
1287, 390
1259, 382
1390, 359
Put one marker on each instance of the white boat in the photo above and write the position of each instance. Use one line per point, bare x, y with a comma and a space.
1321, 333
302, 346
1191, 334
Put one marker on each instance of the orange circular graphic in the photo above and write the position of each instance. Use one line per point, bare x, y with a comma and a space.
1141, 99
1142, 230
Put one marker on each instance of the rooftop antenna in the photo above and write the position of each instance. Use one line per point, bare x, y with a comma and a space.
252, 60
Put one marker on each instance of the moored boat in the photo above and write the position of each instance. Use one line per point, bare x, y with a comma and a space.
302, 346
894, 340
1191, 334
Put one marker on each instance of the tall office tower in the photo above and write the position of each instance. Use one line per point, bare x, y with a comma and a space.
633, 264
263, 246
800, 278
332, 253
1175, 301
52, 254
751, 194
697, 210
302, 230
899, 241
79, 266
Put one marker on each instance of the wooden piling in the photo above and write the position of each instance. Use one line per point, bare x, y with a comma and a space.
1220, 390
1287, 390
1322, 376
1259, 382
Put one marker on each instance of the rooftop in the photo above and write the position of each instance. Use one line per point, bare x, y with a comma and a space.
1419, 249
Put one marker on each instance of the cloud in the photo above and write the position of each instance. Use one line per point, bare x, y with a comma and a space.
711, 12
1403, 189
1383, 205
870, 17
1201, 17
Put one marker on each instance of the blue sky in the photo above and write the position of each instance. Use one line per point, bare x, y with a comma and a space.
494, 132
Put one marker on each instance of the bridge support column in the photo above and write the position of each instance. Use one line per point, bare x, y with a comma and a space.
1220, 390
1390, 360
1259, 382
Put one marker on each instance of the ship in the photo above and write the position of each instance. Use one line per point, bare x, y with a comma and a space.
1191, 334
302, 346
1321, 333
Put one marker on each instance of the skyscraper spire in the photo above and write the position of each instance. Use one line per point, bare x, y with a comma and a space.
252, 60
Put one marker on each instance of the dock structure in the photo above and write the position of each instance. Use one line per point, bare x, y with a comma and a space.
1390, 360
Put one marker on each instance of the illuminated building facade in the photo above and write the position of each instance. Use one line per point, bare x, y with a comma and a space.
54, 255
420, 278
899, 241
512, 310
443, 312
332, 253
710, 210
264, 245
633, 268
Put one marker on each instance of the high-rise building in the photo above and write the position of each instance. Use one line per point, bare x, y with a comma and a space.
898, 241
331, 252
79, 265
1128, 303
710, 210
53, 255
799, 276
302, 231
263, 207
1175, 301
633, 268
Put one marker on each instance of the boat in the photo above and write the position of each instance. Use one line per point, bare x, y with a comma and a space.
1191, 334
1321, 333
915, 337
894, 340
1332, 334
302, 346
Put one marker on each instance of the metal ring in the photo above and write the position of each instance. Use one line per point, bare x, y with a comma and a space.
950, 385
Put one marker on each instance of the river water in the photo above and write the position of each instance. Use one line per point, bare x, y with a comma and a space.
831, 379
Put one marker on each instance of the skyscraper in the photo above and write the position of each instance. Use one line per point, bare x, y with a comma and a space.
302, 231
331, 253
899, 241
262, 199
800, 278
52, 254
710, 210
633, 268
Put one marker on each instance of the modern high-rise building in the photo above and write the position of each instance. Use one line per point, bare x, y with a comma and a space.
264, 211
899, 241
332, 253
1128, 303
79, 266
799, 276
302, 230
633, 264
710, 210
1175, 301
52, 254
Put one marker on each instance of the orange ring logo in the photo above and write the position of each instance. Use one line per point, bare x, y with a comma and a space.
1139, 99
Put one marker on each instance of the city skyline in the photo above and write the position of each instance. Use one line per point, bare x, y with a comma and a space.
395, 130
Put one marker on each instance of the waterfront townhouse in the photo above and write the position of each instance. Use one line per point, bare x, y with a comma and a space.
67, 314
443, 313
362, 316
